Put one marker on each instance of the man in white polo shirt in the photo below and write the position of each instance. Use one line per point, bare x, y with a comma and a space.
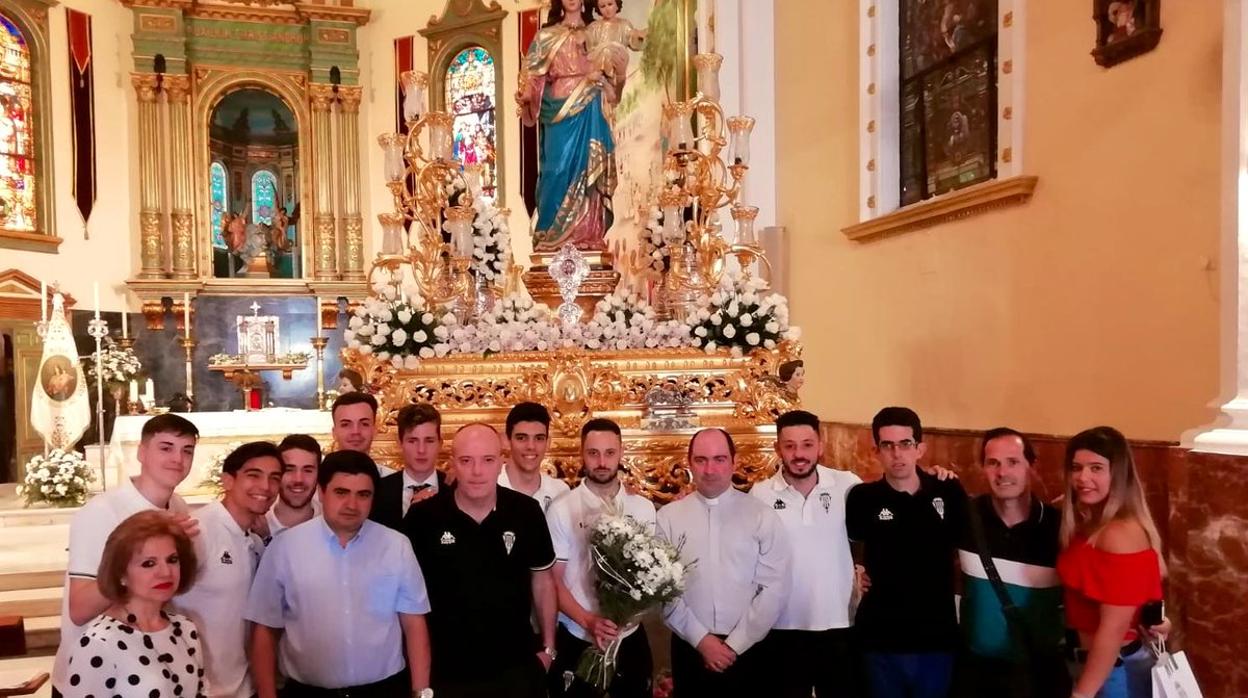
571, 519
166, 450
296, 498
228, 553
809, 646
528, 431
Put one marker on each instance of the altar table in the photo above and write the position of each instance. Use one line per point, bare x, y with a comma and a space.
217, 430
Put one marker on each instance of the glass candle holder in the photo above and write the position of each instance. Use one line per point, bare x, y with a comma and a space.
391, 233
441, 142
459, 223
673, 225
680, 126
473, 176
707, 65
744, 217
740, 127
392, 146
415, 84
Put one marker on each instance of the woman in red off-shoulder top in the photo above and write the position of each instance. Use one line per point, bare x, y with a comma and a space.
1110, 565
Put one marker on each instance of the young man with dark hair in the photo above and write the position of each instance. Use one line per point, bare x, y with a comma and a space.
810, 644
488, 558
571, 519
528, 432
420, 441
341, 598
296, 498
735, 592
1017, 651
906, 525
228, 553
355, 417
166, 452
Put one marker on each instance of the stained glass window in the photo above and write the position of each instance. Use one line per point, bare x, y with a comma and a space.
263, 196
948, 67
219, 195
470, 99
17, 166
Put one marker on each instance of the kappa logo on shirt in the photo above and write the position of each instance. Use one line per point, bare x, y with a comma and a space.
226, 559
546, 502
779, 505
826, 500
886, 515
509, 541
447, 538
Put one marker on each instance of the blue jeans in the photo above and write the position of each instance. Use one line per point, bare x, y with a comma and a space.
915, 675
1133, 679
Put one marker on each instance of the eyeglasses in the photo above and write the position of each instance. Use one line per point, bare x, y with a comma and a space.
903, 445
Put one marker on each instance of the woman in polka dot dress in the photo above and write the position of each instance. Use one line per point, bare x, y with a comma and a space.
136, 649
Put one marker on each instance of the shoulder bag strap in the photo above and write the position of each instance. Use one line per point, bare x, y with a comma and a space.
1013, 615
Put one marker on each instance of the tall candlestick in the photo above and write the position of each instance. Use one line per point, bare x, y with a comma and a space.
186, 315
43, 301
316, 318
134, 391
125, 324
149, 393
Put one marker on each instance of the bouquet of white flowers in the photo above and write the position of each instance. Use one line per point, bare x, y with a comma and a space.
119, 366
624, 320
634, 571
658, 257
491, 237
400, 330
741, 316
60, 479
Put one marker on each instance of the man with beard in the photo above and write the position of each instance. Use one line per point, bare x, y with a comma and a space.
571, 519
810, 642
528, 431
355, 417
228, 553
296, 498
906, 525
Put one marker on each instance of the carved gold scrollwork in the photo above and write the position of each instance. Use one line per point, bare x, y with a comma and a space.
320, 96
349, 98
183, 245
144, 86
149, 234
178, 88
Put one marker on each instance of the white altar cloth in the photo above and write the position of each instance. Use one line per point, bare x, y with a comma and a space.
217, 430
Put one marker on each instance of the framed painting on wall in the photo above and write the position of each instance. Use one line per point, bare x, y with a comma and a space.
1125, 29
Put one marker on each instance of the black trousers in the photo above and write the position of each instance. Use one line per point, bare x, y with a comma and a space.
634, 669
527, 680
397, 685
1046, 677
802, 661
748, 677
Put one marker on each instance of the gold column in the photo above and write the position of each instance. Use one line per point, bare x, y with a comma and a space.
322, 100
151, 243
351, 223
178, 89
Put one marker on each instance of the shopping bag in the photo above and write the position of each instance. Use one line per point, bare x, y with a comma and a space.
1172, 675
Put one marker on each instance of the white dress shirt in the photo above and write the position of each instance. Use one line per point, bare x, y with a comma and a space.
571, 519
276, 526
738, 584
338, 607
228, 556
88, 531
410, 484
546, 493
822, 570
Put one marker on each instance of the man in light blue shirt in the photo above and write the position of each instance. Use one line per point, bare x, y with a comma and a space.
341, 598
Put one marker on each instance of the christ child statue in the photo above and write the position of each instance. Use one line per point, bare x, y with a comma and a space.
609, 39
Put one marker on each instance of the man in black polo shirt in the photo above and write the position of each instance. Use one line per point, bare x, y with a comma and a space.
905, 527
1019, 655
489, 559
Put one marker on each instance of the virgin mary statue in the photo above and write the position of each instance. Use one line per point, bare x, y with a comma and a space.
561, 90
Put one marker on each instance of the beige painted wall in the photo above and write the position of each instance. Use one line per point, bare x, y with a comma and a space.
108, 256
1095, 303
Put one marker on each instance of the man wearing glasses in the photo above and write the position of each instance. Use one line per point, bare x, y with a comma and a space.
905, 528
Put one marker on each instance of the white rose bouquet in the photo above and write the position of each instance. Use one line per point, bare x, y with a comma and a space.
624, 320
741, 316
398, 329
634, 572
60, 479
119, 366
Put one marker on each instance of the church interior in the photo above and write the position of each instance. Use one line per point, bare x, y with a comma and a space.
234, 201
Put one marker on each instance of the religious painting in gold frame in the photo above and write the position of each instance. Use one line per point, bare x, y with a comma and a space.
1125, 29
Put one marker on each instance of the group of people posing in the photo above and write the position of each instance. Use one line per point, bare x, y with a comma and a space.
316, 577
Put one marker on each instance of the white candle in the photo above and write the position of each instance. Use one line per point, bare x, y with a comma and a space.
186, 314
95, 287
134, 391
43, 301
125, 323
316, 317
149, 393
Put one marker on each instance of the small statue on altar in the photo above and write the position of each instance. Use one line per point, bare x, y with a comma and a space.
349, 381
610, 39
792, 376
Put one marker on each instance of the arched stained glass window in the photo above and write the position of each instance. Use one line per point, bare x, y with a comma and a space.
470, 100
17, 167
219, 196
263, 196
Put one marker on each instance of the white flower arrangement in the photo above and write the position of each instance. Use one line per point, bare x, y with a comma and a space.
295, 358
212, 477
624, 320
658, 256
119, 366
61, 479
515, 323
491, 237
400, 330
741, 316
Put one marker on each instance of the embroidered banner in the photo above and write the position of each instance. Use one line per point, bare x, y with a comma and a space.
82, 111
530, 21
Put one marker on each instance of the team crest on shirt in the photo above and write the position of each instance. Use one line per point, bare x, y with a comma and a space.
825, 499
509, 541
886, 515
939, 505
226, 559
779, 505
447, 538
546, 502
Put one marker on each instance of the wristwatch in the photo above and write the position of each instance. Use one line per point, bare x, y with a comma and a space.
550, 652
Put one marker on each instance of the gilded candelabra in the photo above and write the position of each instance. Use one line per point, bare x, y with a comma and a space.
419, 166
188, 348
701, 180
318, 345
